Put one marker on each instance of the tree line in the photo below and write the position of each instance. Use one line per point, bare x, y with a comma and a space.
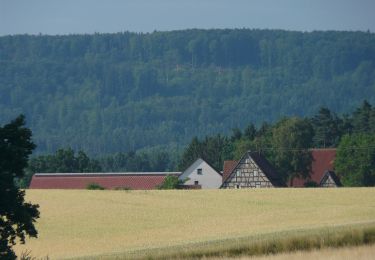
286, 144
107, 93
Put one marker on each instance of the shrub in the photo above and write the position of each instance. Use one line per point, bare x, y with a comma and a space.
123, 188
311, 184
170, 182
94, 186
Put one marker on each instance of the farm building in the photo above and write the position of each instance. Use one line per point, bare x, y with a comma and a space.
128, 180
330, 180
203, 174
322, 162
252, 171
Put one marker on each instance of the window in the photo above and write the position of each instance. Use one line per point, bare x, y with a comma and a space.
257, 184
196, 182
255, 173
199, 171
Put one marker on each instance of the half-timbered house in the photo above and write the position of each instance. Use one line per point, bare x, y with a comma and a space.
330, 180
252, 171
322, 161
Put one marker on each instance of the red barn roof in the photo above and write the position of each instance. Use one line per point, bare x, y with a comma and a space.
134, 181
228, 168
322, 161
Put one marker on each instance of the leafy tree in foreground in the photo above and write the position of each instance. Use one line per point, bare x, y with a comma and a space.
355, 160
16, 216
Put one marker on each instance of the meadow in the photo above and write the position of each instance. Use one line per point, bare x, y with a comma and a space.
111, 224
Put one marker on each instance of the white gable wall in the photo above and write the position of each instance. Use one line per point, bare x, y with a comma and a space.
209, 179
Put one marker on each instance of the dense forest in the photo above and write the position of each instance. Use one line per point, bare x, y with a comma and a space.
110, 93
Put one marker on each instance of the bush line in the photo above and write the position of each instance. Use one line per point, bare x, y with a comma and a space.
274, 243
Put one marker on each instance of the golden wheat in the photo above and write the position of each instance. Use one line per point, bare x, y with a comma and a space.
77, 223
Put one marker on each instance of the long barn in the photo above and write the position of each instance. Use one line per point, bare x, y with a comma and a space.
126, 180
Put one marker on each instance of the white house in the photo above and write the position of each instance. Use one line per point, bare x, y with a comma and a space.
203, 174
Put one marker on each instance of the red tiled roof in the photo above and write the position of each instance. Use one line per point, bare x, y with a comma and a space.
80, 181
322, 161
228, 168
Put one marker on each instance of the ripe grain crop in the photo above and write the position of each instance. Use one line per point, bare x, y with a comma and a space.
86, 223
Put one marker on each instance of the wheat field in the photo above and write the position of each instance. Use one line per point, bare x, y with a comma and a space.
88, 223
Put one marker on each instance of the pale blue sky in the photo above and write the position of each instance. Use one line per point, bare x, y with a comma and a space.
89, 16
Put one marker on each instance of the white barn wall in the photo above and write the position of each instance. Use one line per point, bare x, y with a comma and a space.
210, 178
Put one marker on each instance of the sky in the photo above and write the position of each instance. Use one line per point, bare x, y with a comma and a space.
106, 16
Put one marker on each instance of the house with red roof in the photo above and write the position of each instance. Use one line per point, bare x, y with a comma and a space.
322, 161
321, 174
126, 180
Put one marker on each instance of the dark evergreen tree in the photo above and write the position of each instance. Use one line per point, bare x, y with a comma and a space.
236, 134
361, 118
372, 121
212, 149
193, 151
250, 132
326, 128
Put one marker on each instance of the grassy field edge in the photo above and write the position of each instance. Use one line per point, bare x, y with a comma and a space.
272, 243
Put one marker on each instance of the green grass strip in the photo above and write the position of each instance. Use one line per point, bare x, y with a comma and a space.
264, 244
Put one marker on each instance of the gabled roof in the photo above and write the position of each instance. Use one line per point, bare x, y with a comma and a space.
228, 168
322, 161
200, 159
334, 177
264, 165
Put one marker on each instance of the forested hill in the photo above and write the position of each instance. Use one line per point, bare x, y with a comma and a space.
108, 93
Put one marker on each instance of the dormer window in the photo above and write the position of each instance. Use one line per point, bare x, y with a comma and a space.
199, 171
